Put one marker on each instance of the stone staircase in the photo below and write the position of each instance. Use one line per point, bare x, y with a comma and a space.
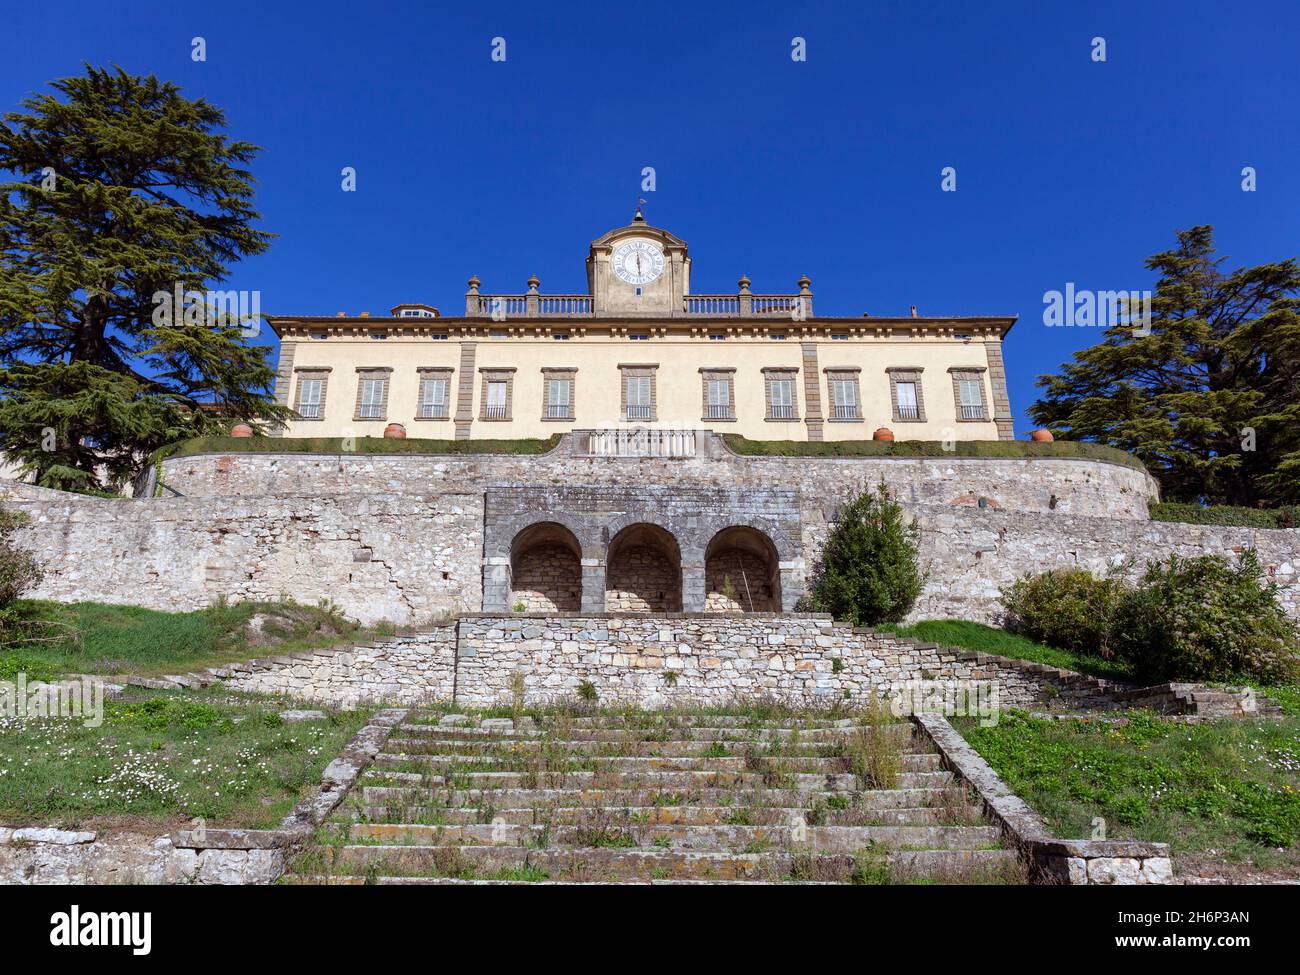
657, 798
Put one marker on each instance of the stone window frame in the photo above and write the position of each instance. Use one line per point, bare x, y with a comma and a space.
569, 373
975, 373
841, 374
424, 373
773, 374
906, 374
497, 374
638, 370
725, 374
302, 373
382, 373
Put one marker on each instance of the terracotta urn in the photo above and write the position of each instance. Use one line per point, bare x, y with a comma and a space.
395, 431
241, 430
884, 433
1042, 436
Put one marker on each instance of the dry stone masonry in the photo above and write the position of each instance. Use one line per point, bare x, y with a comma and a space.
412, 538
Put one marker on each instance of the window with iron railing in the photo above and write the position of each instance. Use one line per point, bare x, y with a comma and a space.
433, 399
309, 398
559, 399
718, 406
908, 407
372, 399
637, 392
844, 399
497, 406
780, 394
971, 393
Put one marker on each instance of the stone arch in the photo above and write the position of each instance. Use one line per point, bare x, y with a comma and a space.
546, 569
643, 571
742, 572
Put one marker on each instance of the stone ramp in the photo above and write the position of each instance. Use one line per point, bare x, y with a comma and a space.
651, 799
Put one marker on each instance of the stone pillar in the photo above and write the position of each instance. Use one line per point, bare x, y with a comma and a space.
693, 594
496, 585
812, 391
791, 585
1001, 399
465, 391
593, 586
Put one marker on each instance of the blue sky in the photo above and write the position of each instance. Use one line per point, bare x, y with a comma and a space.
1067, 169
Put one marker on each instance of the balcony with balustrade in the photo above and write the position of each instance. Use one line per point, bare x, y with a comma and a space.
743, 304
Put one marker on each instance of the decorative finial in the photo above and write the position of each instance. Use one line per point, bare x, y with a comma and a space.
744, 284
532, 284
474, 282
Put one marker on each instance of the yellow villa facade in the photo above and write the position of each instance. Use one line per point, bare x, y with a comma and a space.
640, 351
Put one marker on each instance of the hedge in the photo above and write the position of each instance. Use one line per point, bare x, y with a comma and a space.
931, 448
360, 445
1225, 514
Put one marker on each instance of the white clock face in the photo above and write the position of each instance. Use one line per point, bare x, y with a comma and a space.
638, 262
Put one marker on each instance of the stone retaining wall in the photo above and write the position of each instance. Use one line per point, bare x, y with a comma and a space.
401, 557
411, 670
656, 661
1044, 485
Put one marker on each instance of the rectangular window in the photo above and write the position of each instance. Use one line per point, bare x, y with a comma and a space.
972, 399
717, 337
781, 392
433, 399
372, 399
496, 400
561, 336
638, 397
844, 398
907, 404
379, 336
559, 399
718, 406
309, 398
639, 337
438, 336
839, 336
776, 336
318, 336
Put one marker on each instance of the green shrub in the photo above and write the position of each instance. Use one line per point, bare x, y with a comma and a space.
19, 569
1070, 609
868, 572
1225, 514
1017, 449
1204, 619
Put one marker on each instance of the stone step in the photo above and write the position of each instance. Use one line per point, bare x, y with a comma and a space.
602, 863
643, 724
653, 777
663, 799
630, 748
664, 815
913, 762
326, 879
600, 832
902, 732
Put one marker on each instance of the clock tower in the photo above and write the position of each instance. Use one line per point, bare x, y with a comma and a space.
638, 270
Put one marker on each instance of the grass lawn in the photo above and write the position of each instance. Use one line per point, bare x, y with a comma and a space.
98, 638
167, 756
1222, 792
990, 639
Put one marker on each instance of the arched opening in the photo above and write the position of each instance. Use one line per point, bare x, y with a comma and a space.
546, 570
643, 572
742, 573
